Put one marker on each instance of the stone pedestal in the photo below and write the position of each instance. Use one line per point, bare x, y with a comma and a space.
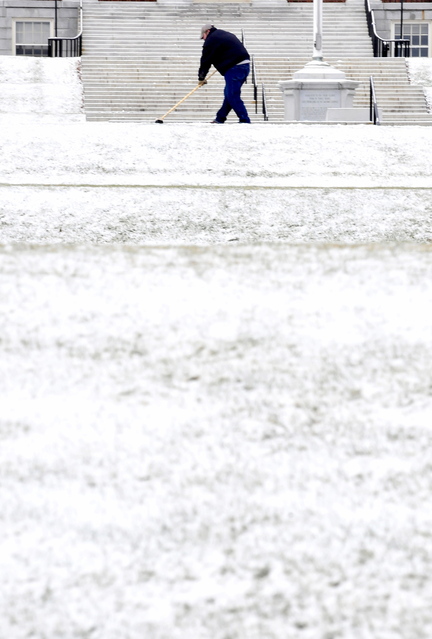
314, 89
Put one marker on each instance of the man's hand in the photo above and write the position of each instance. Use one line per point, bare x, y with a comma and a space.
203, 82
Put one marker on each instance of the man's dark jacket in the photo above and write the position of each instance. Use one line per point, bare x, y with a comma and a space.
223, 50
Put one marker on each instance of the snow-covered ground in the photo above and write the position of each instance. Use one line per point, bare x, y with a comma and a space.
216, 380
190, 184
420, 72
40, 90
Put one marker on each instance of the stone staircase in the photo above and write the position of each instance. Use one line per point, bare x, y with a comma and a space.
141, 58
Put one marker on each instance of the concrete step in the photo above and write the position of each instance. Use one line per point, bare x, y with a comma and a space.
286, 27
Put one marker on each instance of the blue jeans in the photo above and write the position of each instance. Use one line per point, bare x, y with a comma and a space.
234, 80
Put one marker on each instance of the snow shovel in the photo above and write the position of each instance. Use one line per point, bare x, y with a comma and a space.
200, 84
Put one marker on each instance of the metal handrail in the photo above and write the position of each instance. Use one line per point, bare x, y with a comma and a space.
67, 47
264, 103
383, 48
254, 82
373, 104
243, 39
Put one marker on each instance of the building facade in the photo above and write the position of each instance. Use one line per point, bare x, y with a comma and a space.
26, 25
416, 20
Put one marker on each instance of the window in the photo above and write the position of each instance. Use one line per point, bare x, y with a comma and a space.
418, 35
31, 38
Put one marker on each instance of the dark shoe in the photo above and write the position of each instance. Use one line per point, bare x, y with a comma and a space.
216, 122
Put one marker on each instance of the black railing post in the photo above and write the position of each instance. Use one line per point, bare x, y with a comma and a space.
72, 46
243, 43
255, 88
401, 19
264, 104
373, 105
383, 48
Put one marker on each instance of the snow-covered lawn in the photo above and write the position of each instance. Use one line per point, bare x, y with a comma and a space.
192, 184
40, 90
216, 442
420, 72
149, 215
215, 366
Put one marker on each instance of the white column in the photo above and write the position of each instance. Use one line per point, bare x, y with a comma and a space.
317, 26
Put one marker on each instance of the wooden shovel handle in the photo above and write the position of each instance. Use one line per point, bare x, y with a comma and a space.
200, 84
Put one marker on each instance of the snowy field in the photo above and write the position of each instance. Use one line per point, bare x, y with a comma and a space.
190, 184
216, 379
420, 72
